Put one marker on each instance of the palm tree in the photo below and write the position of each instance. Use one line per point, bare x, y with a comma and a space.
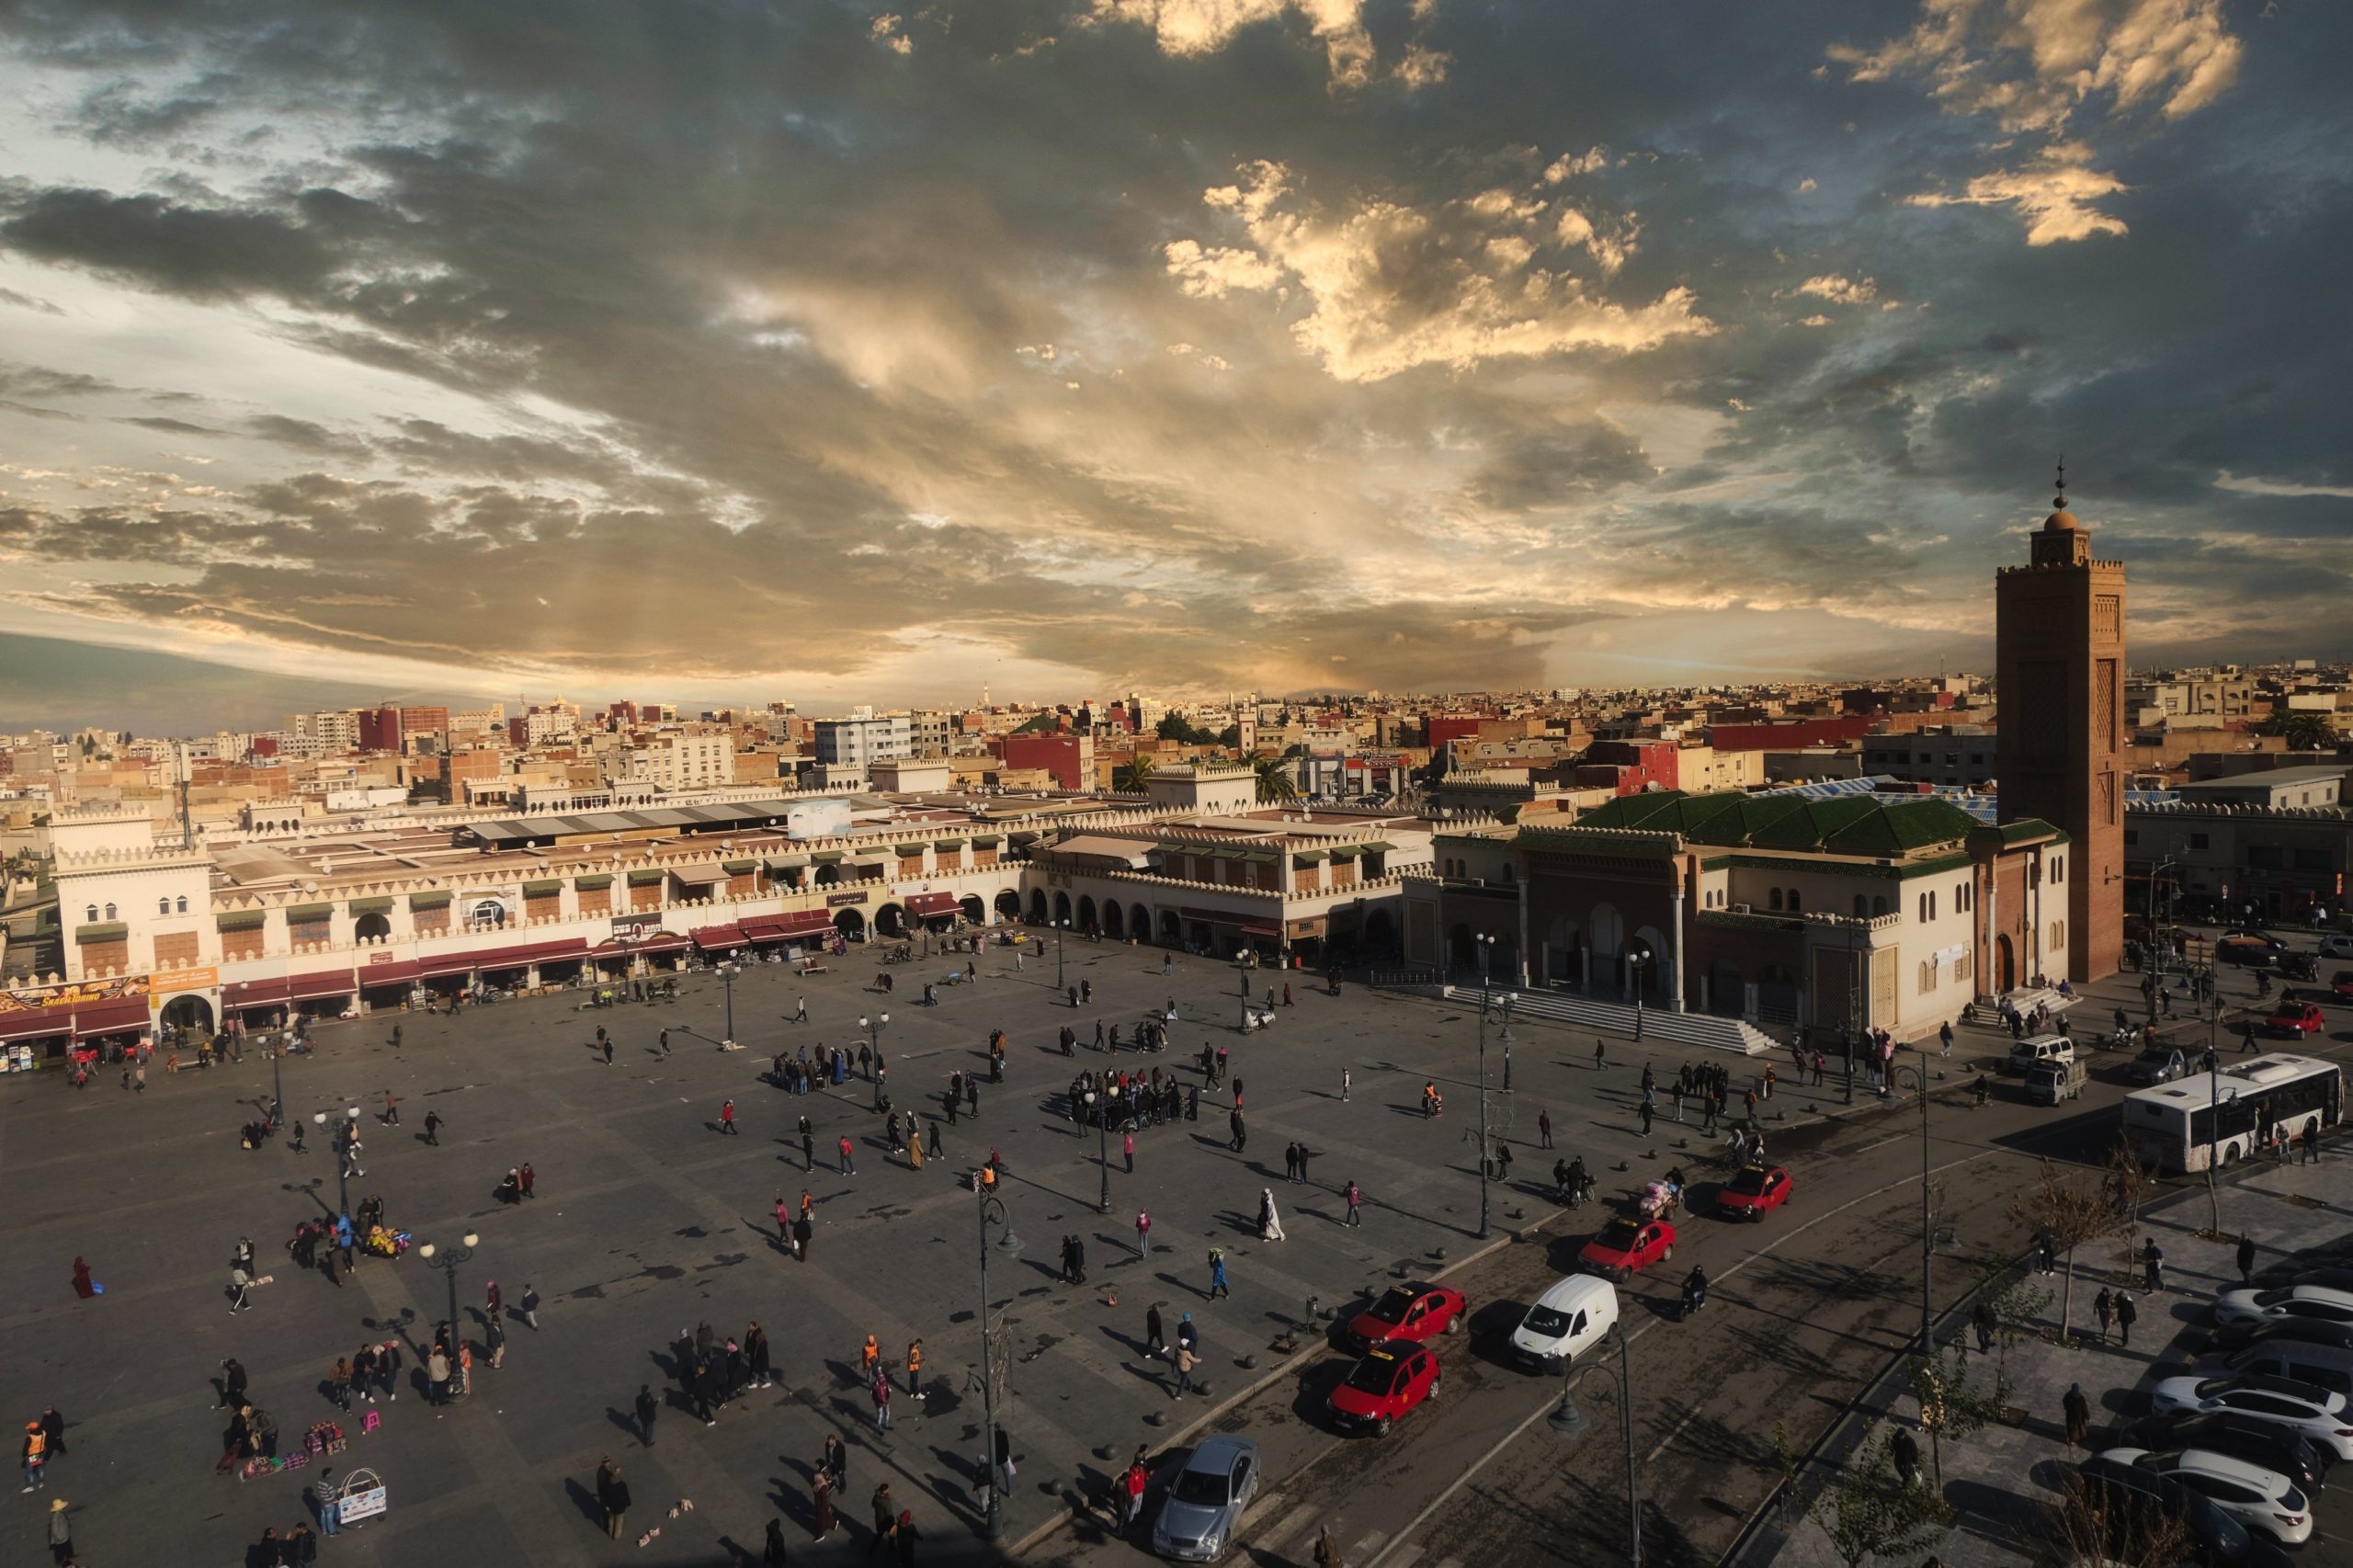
1135, 773
1275, 782
2303, 729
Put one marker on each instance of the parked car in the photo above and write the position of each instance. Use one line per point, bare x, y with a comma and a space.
1754, 1192
2157, 1064
2246, 953
2249, 1305
2048, 1082
2296, 1020
1566, 1319
2258, 937
2259, 1498
2314, 1412
2302, 1331
2340, 985
2329, 1275
2126, 1495
1207, 1499
2322, 1366
1395, 1376
1626, 1247
1408, 1312
2039, 1047
2336, 946
2258, 1442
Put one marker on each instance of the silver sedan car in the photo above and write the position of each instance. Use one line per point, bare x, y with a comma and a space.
1205, 1502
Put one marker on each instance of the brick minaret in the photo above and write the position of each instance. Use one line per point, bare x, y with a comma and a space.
2059, 658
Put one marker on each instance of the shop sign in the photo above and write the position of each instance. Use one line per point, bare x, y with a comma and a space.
836, 901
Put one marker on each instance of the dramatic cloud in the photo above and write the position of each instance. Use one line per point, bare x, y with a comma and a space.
870, 353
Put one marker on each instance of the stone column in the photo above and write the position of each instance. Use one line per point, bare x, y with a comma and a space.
1675, 995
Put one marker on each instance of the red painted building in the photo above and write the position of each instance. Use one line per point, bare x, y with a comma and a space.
1445, 727
1777, 737
380, 729
1631, 766
1069, 758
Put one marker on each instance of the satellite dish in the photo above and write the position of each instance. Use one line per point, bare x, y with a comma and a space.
310, 887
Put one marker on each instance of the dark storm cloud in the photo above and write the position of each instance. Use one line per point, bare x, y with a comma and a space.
751, 321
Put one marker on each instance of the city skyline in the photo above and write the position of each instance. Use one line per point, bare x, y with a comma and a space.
850, 355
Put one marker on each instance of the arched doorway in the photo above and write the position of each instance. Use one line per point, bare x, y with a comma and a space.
891, 921
975, 912
1037, 906
1087, 922
851, 925
1008, 906
1062, 909
827, 876
1379, 932
1172, 928
1139, 922
1727, 990
190, 1012
1461, 949
2006, 967
1115, 920
1776, 995
1606, 930
370, 928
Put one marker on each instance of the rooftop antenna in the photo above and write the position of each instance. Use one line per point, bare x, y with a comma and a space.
2060, 500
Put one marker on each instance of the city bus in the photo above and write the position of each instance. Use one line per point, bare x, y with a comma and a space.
2230, 1115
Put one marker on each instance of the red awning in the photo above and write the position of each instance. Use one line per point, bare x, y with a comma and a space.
718, 938
930, 904
531, 953
374, 976
785, 927
32, 1023
324, 982
253, 992
667, 942
117, 1015
443, 965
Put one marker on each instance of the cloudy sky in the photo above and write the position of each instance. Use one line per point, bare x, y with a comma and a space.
831, 352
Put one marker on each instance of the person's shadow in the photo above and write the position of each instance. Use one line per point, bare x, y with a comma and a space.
586, 1501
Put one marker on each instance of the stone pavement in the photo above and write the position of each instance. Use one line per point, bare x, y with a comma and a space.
1999, 1477
648, 1220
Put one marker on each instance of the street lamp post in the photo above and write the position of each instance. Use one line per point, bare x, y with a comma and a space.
2151, 958
1634, 962
446, 1260
1571, 1422
1060, 969
2213, 1128
727, 973
347, 1130
1919, 1075
1097, 1103
1009, 1245
1484, 1145
1503, 1036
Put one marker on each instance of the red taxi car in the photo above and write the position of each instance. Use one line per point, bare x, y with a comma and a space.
2297, 1019
1395, 1376
1413, 1312
1753, 1193
1628, 1247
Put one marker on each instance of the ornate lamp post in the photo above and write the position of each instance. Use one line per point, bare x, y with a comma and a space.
346, 1131
1919, 1076
446, 1260
1009, 1245
1571, 1422
727, 973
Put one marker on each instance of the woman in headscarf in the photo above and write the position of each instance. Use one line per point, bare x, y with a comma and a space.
1270, 1224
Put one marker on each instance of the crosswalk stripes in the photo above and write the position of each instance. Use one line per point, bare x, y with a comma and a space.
1279, 1538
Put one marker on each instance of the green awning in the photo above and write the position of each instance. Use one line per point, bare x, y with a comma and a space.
1311, 857
984, 840
739, 867
104, 931
242, 920
646, 879
948, 845
428, 900
1347, 851
589, 884
827, 856
369, 906
547, 889
308, 912
1377, 846
906, 851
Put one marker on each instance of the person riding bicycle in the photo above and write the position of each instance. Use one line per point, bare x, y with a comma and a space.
1695, 1290
1432, 1101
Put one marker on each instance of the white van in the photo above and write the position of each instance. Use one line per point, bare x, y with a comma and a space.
1565, 1321
2039, 1047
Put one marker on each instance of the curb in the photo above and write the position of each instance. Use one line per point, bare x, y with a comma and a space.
1067, 1514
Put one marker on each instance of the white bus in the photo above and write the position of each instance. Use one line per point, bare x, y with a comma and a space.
2230, 1115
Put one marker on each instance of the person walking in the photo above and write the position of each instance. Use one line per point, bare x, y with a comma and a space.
1355, 1197
1144, 1234
914, 1369
388, 1368
1600, 1055
35, 1456
846, 1149
808, 1145
2246, 1259
799, 1010
1982, 1318
772, 1549
609, 1052
647, 1408
433, 1128
2309, 1141
1944, 1036
905, 1536
2126, 1313
524, 1177
1270, 1222
1128, 1148
886, 1518
2078, 1412
2153, 1265
495, 1337
233, 1385
1233, 1120
529, 1306
1004, 1459
1327, 1549
726, 1118
1347, 1081
61, 1533
1185, 1363
1154, 1345
882, 1402
822, 1496
2104, 1311
1218, 1286
392, 1110
614, 1495
1645, 1109
802, 1231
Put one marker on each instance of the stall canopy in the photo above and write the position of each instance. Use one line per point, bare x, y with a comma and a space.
31, 1023
668, 942
375, 976
115, 1016
291, 988
927, 905
786, 927
718, 938
531, 953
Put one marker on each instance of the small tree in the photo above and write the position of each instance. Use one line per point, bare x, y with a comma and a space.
2083, 1527
1869, 1511
2071, 1214
2014, 1307
1790, 1466
2124, 1185
1950, 1406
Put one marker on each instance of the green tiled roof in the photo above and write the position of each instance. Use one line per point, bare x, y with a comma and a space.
1850, 824
2019, 832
